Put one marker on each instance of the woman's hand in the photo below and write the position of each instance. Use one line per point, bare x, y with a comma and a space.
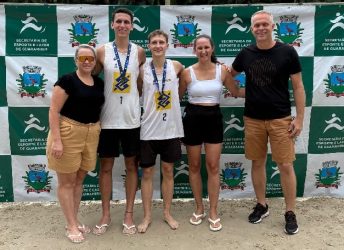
57, 149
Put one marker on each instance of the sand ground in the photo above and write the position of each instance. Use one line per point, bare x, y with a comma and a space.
41, 226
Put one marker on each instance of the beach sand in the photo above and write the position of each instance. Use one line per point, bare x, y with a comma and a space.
41, 226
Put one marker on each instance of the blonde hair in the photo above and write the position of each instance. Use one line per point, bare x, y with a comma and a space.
85, 46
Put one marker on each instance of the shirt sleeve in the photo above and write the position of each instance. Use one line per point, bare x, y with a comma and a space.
237, 64
295, 65
65, 82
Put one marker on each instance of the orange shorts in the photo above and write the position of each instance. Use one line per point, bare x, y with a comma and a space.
80, 142
257, 134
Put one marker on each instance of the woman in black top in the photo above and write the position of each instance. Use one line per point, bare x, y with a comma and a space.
73, 138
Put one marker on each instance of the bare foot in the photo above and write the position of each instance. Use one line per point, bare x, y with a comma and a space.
171, 222
142, 228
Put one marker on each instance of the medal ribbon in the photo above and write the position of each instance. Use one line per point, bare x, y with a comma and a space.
155, 78
121, 70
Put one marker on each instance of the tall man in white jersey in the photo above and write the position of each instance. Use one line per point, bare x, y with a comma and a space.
120, 118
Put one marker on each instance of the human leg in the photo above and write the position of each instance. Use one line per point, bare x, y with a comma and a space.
288, 182
130, 142
283, 152
213, 153
105, 186
146, 193
80, 176
167, 193
65, 193
130, 192
256, 139
258, 174
195, 179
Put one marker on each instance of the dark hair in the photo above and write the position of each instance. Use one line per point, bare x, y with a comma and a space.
125, 11
213, 57
157, 33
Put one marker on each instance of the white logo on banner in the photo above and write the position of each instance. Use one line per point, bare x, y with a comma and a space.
31, 124
231, 124
332, 123
182, 169
137, 26
92, 174
337, 22
276, 172
234, 24
28, 24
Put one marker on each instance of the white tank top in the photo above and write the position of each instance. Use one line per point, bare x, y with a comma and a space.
205, 91
161, 120
121, 109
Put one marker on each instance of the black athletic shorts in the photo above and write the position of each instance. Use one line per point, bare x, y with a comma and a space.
202, 124
110, 141
169, 150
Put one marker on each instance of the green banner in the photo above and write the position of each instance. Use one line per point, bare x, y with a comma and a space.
329, 30
326, 133
233, 130
6, 187
29, 130
3, 96
31, 30
231, 29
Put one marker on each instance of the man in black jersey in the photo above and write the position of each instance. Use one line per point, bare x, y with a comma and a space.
268, 65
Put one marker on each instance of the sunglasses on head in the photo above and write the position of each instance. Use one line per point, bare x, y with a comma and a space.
84, 58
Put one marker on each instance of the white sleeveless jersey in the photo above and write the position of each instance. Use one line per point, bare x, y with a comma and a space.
162, 118
121, 109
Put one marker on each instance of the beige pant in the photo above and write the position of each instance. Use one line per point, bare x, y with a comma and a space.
80, 142
257, 134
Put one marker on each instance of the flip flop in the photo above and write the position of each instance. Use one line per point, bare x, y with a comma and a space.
199, 218
129, 230
82, 228
99, 230
212, 225
75, 238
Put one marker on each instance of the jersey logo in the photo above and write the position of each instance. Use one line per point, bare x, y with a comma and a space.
163, 102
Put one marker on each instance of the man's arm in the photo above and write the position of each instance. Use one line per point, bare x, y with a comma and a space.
140, 81
100, 60
141, 55
300, 100
183, 82
230, 83
178, 68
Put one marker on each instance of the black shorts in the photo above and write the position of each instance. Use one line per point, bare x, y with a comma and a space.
110, 141
169, 150
202, 124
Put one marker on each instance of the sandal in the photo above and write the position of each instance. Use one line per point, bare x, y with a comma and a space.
99, 230
82, 228
129, 230
212, 225
75, 238
199, 218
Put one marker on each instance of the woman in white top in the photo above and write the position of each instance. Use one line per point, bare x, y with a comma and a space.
202, 122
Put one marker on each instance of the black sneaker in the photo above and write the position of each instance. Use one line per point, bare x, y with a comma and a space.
291, 226
258, 213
